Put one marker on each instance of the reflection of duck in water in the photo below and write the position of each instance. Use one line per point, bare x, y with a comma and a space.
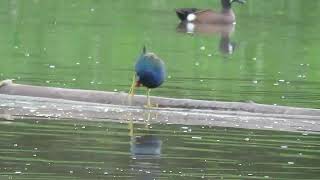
146, 152
225, 16
226, 46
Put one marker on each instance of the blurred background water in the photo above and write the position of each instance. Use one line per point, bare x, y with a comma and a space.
94, 45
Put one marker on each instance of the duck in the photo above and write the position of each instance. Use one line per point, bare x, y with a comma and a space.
208, 16
150, 72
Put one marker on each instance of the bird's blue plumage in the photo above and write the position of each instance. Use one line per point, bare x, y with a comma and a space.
150, 70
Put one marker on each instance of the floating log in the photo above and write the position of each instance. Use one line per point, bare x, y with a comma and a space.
20, 101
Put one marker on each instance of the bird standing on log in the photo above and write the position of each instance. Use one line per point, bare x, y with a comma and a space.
149, 72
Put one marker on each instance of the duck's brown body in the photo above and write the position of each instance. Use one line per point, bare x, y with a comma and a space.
225, 16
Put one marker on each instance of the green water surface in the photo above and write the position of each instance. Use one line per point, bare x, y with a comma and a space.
39, 149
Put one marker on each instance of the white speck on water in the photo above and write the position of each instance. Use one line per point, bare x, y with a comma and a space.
250, 174
35, 149
276, 84
300, 154
305, 134
34, 155
247, 139
290, 163
201, 80
97, 62
15, 145
26, 54
52, 66
44, 49
266, 176
209, 55
48, 81
202, 48
92, 82
169, 77
105, 173
32, 110
83, 127
89, 57
16, 47
255, 81
254, 58
115, 90
92, 9
184, 127
77, 63
17, 172
106, 110
74, 79
284, 147
71, 172
197, 63
283, 97
218, 140
281, 80
196, 137
28, 164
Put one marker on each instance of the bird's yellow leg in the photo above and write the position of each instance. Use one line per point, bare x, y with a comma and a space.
148, 98
130, 127
131, 91
147, 121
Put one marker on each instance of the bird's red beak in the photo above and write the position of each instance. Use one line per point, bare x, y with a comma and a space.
138, 83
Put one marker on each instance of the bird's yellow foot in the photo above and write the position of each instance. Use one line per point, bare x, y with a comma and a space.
151, 106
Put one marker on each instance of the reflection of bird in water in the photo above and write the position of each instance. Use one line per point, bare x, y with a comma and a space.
226, 46
147, 145
146, 152
150, 72
225, 16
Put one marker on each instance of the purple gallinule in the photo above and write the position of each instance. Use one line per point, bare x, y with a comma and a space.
225, 16
149, 72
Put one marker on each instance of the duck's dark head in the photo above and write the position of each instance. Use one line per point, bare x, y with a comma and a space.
227, 3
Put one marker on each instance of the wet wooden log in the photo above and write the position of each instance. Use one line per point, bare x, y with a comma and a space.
116, 98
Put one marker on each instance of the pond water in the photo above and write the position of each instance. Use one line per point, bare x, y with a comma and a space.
94, 44
40, 149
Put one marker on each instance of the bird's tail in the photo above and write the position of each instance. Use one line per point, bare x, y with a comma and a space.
183, 13
144, 49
